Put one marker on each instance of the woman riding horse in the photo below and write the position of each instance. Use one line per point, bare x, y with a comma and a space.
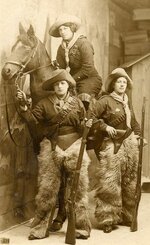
76, 54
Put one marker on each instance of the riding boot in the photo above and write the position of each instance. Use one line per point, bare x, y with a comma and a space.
38, 217
61, 215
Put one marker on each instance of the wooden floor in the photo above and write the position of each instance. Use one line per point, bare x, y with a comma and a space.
121, 236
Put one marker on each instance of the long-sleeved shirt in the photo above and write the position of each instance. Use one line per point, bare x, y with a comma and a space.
81, 63
113, 114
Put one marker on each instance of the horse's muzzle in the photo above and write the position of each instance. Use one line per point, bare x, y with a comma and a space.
7, 72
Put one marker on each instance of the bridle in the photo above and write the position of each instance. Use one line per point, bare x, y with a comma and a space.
19, 75
22, 66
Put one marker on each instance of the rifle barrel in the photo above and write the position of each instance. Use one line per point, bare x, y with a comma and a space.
70, 234
134, 223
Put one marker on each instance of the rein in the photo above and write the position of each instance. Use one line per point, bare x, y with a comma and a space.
23, 66
38, 68
8, 124
19, 74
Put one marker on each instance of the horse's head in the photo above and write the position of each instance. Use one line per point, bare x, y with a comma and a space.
28, 54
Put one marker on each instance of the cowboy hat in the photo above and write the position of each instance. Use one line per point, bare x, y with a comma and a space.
116, 73
61, 20
56, 76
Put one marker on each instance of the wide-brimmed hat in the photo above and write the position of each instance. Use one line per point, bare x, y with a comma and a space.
116, 73
56, 76
61, 20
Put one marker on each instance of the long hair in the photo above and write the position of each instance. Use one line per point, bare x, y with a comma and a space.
72, 91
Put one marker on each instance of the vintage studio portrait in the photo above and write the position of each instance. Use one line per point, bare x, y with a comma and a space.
74, 122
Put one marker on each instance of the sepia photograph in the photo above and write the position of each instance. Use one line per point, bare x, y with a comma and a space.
74, 122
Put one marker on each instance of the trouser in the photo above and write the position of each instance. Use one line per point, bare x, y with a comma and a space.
116, 182
49, 179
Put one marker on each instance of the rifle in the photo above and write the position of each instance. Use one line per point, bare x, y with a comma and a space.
134, 224
70, 235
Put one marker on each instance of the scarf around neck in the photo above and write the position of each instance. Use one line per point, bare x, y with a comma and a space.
68, 47
124, 101
58, 102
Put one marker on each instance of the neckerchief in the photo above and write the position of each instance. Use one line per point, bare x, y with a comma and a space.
124, 101
68, 47
59, 103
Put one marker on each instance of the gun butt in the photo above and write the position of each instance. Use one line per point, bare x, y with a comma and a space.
70, 235
134, 227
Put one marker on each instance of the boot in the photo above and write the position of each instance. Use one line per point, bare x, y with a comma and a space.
38, 217
58, 222
107, 228
82, 234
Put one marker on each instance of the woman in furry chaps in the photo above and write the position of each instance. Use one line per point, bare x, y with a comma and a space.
63, 116
118, 155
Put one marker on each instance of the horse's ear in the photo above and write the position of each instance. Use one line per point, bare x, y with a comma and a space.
21, 29
30, 31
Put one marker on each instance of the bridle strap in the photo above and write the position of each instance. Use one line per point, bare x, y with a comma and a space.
32, 55
38, 68
20, 72
9, 128
15, 63
23, 66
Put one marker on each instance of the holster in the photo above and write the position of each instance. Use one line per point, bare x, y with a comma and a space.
95, 138
120, 137
39, 131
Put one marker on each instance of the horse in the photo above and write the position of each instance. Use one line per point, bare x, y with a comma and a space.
29, 56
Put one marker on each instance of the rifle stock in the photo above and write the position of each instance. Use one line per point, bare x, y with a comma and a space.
70, 234
134, 223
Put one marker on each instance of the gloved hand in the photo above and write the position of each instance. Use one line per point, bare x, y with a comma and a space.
111, 131
89, 123
21, 97
144, 140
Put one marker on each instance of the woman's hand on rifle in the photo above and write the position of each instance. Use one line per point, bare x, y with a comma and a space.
88, 122
144, 140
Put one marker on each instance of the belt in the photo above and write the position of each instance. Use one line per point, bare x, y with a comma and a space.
66, 130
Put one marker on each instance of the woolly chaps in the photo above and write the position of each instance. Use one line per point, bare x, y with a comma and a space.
116, 183
51, 164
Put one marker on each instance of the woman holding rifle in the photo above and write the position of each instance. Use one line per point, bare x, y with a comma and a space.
118, 154
63, 115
